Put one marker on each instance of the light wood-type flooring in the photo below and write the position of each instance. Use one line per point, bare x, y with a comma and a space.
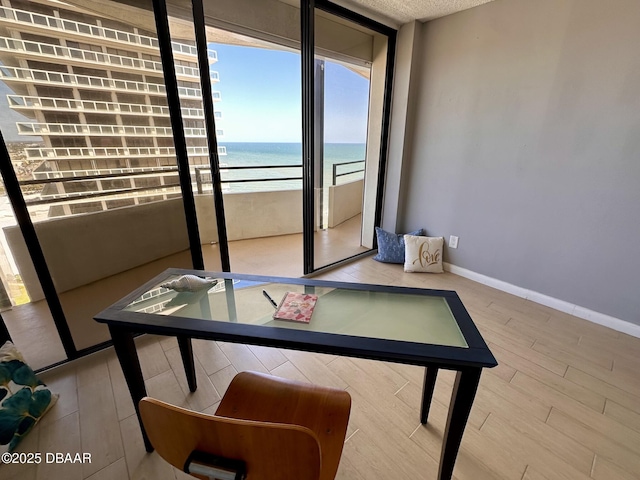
564, 403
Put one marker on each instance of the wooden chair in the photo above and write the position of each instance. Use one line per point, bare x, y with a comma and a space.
273, 428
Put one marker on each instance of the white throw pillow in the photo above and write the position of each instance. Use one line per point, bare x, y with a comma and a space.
423, 254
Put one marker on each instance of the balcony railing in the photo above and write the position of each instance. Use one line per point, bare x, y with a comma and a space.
273, 175
120, 194
95, 58
22, 102
98, 83
111, 152
14, 15
343, 173
76, 129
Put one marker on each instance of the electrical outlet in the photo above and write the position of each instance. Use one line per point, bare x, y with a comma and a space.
453, 241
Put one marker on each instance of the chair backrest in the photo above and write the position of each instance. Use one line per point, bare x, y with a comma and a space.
270, 450
265, 398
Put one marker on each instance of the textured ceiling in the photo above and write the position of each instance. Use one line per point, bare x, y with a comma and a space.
403, 11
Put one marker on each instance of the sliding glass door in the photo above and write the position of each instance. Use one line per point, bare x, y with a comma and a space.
303, 106
349, 86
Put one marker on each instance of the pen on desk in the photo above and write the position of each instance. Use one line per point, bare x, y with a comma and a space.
275, 305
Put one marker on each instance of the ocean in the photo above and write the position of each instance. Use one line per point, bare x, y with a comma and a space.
283, 154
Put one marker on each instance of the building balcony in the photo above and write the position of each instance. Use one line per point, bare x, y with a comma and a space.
45, 51
57, 24
42, 77
93, 172
38, 22
74, 129
24, 102
191, 52
111, 152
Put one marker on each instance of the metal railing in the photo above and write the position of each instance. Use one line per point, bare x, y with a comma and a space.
55, 23
203, 175
159, 173
119, 194
62, 104
336, 175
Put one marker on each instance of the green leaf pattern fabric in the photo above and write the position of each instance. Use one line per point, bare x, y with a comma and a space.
24, 399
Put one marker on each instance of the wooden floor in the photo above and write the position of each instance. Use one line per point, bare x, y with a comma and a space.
564, 403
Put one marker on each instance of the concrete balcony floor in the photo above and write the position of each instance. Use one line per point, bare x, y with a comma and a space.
32, 328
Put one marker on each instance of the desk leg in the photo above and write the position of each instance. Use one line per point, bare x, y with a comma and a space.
430, 374
464, 391
186, 351
130, 363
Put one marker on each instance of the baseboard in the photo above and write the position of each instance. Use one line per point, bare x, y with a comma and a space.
555, 303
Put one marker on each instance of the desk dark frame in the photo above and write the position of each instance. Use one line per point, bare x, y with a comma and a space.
467, 362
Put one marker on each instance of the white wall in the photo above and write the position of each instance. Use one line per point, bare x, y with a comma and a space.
345, 202
81, 249
263, 214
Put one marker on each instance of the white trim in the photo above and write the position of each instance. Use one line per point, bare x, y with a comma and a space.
555, 303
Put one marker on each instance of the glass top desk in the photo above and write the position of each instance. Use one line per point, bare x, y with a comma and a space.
429, 328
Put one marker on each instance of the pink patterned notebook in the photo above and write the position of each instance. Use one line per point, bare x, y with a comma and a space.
296, 307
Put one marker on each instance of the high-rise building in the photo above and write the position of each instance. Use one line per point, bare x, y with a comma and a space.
94, 91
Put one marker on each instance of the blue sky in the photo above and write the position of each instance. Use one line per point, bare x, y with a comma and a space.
260, 91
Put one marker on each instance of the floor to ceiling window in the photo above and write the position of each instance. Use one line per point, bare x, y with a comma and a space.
349, 86
91, 144
114, 136
262, 120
